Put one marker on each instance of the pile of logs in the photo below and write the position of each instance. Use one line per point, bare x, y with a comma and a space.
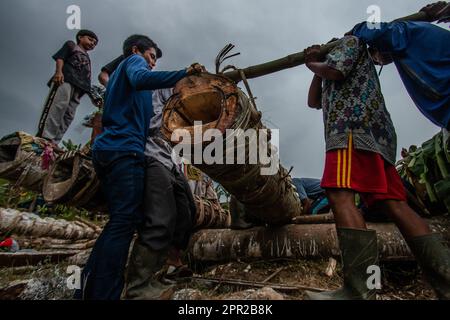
44, 239
71, 180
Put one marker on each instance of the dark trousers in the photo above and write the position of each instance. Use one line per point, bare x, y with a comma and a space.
169, 208
122, 180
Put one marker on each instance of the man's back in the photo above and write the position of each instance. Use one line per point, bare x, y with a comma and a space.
421, 53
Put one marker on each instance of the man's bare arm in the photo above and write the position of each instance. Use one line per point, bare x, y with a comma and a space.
315, 93
325, 72
58, 78
103, 78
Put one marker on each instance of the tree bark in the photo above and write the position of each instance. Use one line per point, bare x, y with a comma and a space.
217, 103
28, 224
296, 241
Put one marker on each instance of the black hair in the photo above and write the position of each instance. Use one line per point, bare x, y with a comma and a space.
85, 32
143, 43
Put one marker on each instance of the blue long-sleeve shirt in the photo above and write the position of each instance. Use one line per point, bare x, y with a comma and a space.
128, 107
421, 53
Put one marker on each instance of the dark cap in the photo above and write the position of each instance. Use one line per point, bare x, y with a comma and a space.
88, 33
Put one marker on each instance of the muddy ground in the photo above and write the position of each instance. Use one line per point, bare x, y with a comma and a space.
400, 281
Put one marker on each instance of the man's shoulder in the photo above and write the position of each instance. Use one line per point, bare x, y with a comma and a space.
133, 62
70, 44
134, 58
351, 41
345, 44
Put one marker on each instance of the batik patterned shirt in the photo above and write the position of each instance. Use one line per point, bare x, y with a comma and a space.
356, 105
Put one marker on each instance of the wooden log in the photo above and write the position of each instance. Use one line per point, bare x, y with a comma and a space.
13, 290
18, 259
296, 241
296, 59
21, 160
71, 180
53, 244
81, 258
217, 103
50, 244
28, 224
314, 219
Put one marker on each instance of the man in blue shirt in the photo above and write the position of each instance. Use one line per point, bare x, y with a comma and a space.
421, 53
118, 156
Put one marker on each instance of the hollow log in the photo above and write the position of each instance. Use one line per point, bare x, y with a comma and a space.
29, 224
219, 104
71, 181
296, 241
296, 59
21, 160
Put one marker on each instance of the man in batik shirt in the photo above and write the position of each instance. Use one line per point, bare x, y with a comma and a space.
360, 157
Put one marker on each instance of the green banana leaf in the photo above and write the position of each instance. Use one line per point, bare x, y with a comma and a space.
441, 159
443, 192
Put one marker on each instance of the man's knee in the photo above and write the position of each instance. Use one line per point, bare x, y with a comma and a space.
397, 208
340, 196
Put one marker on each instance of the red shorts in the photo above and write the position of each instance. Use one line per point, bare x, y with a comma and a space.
364, 172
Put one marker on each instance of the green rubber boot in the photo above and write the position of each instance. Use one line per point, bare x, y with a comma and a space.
359, 250
142, 280
237, 211
433, 256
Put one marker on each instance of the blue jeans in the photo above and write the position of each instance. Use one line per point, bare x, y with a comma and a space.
308, 188
122, 180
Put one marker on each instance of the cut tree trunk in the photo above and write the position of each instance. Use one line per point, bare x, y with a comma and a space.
296, 241
29, 224
217, 103
72, 181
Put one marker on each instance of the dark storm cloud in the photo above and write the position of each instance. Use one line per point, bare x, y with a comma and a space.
195, 30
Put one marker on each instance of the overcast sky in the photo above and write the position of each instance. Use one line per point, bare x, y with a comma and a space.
195, 30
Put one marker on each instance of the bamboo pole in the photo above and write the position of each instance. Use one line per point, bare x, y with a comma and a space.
297, 59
